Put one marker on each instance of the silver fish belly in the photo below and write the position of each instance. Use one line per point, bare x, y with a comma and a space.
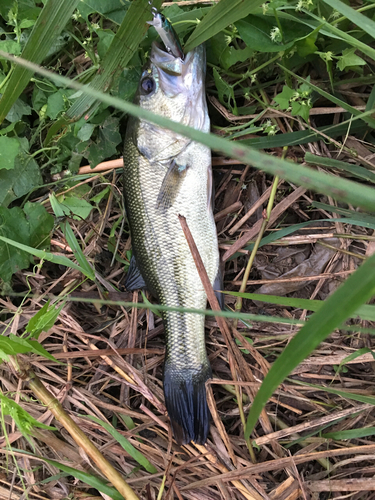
166, 175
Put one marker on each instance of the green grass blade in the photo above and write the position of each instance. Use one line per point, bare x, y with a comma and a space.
219, 17
365, 220
41, 254
365, 312
349, 434
72, 240
85, 477
344, 394
355, 170
50, 23
340, 189
304, 136
122, 48
128, 447
357, 289
367, 24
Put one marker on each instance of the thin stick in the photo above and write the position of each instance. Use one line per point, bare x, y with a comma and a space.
211, 297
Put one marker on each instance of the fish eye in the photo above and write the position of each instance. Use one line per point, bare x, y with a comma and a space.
147, 85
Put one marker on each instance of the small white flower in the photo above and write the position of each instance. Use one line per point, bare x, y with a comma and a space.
275, 34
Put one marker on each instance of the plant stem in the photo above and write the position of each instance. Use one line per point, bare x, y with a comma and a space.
77, 434
266, 217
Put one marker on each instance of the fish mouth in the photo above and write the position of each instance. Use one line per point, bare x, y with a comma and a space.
178, 76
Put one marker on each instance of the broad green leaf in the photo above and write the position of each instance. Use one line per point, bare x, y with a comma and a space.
356, 290
340, 189
128, 447
283, 99
364, 22
255, 32
32, 346
30, 226
55, 105
105, 146
18, 110
10, 348
231, 56
226, 92
12, 345
349, 59
10, 46
40, 225
23, 178
50, 23
114, 10
9, 148
13, 224
219, 17
73, 206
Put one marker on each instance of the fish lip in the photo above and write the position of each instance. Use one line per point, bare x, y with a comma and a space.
165, 61
188, 73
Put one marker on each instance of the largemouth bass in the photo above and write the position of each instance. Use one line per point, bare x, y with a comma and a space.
166, 175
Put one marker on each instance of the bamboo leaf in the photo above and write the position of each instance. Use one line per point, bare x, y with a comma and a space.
50, 23
357, 289
219, 17
126, 444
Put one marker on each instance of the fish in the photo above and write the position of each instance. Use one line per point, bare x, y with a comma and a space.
167, 175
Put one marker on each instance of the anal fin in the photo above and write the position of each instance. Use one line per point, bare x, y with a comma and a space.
217, 286
134, 279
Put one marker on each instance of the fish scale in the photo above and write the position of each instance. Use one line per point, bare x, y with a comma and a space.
159, 162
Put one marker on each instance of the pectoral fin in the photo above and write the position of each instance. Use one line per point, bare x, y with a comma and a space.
171, 184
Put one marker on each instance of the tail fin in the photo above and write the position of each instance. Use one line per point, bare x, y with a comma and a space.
186, 402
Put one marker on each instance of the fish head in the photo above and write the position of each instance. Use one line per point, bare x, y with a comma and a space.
173, 88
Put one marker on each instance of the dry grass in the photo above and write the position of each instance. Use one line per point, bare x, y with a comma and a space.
112, 362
